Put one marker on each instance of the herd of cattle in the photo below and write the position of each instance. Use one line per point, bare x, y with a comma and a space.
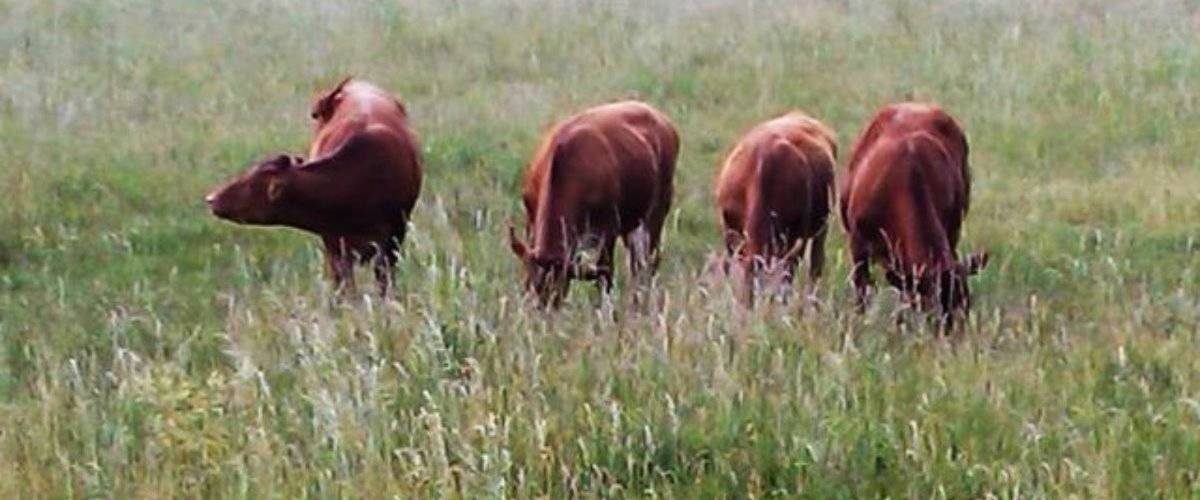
607, 173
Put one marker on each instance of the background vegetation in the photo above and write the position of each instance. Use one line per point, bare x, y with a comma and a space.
149, 350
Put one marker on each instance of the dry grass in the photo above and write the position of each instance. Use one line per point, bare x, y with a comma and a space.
152, 351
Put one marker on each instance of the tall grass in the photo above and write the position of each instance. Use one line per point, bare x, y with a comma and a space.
152, 351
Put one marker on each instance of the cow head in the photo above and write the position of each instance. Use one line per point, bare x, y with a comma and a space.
325, 104
944, 288
546, 277
775, 274
726, 270
954, 293
253, 197
752, 273
548, 274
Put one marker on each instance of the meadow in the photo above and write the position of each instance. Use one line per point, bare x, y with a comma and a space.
148, 350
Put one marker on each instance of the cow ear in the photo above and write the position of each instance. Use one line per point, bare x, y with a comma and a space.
975, 263
325, 104
338, 88
274, 189
518, 247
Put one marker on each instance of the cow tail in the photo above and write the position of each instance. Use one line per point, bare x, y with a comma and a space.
921, 153
966, 173
772, 158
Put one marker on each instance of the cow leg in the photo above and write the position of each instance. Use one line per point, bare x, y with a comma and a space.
778, 273
732, 225
385, 261
385, 264
860, 259
814, 251
789, 273
604, 265
642, 262
946, 323
653, 225
340, 261
948, 289
816, 257
637, 244
733, 242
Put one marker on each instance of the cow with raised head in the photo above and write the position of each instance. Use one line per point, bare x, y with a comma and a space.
904, 195
356, 190
596, 176
774, 193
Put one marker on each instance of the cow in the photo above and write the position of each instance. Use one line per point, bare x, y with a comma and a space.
774, 193
601, 174
356, 190
903, 198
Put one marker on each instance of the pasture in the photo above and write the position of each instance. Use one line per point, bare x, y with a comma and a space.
150, 350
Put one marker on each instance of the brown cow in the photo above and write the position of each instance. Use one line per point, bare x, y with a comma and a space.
356, 190
773, 193
903, 199
603, 173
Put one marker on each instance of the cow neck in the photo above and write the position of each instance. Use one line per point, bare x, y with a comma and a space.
306, 203
931, 233
555, 221
552, 232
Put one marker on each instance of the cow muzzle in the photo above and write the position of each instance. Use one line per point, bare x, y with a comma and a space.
213, 201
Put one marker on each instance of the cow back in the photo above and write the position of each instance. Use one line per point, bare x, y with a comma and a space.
604, 167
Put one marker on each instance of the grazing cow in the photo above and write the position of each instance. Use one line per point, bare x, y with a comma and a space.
603, 173
903, 199
773, 193
355, 191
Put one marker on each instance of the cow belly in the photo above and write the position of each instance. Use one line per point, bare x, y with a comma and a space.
365, 247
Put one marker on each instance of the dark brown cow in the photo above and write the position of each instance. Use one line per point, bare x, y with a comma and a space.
356, 190
903, 199
774, 192
603, 173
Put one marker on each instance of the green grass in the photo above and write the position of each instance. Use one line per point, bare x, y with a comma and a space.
149, 350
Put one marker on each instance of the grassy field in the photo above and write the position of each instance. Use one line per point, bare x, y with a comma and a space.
149, 350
